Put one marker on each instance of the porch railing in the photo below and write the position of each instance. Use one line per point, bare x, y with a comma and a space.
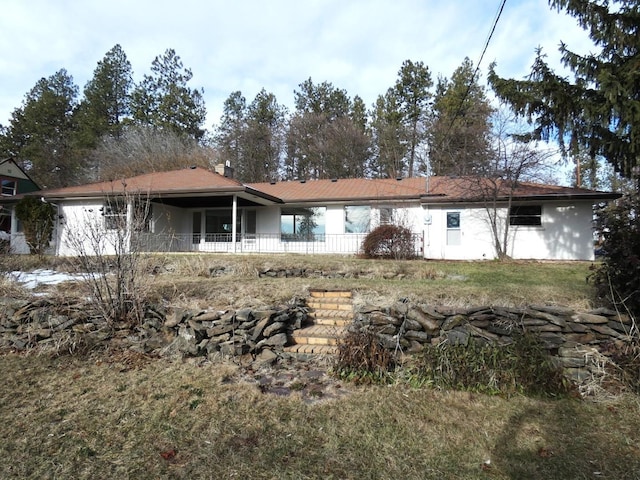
349, 243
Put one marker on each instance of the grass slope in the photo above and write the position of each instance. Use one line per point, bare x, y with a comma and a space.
74, 418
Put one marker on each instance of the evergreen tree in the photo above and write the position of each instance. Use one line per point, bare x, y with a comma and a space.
459, 136
323, 140
164, 100
264, 139
39, 133
412, 90
389, 138
106, 100
229, 135
598, 111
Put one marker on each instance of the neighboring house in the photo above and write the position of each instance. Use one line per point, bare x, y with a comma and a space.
199, 210
13, 182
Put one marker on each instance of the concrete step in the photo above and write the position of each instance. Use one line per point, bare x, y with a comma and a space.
312, 349
330, 293
330, 304
333, 322
318, 335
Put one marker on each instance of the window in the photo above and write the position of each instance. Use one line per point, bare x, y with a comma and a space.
302, 224
526, 215
115, 214
8, 187
454, 233
386, 215
357, 219
218, 225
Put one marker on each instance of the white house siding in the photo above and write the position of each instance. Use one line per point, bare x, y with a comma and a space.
82, 225
565, 234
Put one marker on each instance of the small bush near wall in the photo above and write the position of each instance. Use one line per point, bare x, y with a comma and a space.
363, 358
389, 241
523, 366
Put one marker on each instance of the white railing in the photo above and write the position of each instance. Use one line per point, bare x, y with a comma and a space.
349, 243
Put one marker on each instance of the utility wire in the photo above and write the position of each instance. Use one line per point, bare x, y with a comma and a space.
475, 73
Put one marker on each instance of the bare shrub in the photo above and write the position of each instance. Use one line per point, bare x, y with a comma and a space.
362, 357
109, 253
389, 241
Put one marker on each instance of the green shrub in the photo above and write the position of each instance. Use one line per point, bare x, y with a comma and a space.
617, 278
37, 220
521, 367
389, 241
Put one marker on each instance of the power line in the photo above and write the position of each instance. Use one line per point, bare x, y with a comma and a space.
475, 73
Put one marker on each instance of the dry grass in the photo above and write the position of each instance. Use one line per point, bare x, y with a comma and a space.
134, 418
186, 277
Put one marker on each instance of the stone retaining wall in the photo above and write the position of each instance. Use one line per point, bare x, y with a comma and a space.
574, 339
258, 333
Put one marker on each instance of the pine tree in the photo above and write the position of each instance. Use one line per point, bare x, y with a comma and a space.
459, 136
39, 133
165, 101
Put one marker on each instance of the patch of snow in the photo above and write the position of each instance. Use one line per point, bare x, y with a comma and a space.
31, 280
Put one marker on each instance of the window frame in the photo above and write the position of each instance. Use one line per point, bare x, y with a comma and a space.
114, 212
5, 183
529, 215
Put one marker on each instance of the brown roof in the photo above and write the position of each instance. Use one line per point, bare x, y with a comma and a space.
428, 190
199, 181
188, 180
344, 189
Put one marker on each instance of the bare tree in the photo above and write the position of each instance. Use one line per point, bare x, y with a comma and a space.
142, 150
513, 162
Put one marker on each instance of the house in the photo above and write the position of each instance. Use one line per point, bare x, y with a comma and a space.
13, 181
199, 210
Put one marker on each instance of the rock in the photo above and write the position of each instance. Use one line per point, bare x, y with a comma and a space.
244, 315
379, 318
386, 329
410, 324
606, 330
422, 337
275, 327
266, 357
277, 340
219, 330
478, 332
428, 324
454, 321
457, 337
554, 310
207, 317
589, 318
259, 328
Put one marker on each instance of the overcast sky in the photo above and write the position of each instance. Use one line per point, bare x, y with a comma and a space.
247, 45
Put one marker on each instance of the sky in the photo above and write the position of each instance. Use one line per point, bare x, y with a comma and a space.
247, 45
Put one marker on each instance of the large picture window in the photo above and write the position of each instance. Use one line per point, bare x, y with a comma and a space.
302, 224
526, 215
357, 219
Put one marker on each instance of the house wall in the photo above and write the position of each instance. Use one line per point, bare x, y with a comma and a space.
565, 234
82, 230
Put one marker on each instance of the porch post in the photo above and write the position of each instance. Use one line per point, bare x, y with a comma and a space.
234, 218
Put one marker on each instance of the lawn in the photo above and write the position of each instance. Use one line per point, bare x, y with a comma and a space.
122, 415
106, 417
